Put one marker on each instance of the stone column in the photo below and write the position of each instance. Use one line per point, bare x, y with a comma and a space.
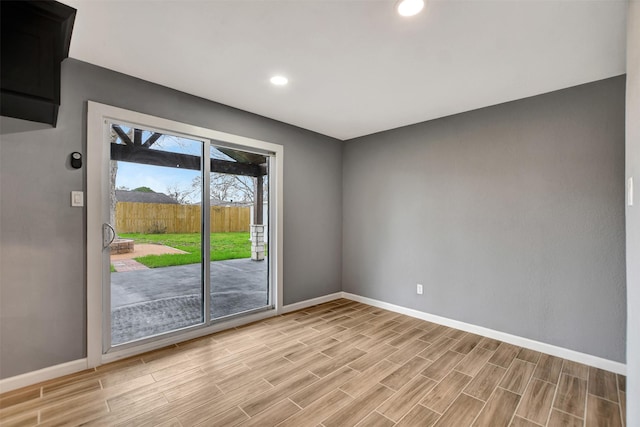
257, 242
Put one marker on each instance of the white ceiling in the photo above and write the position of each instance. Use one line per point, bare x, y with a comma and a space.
355, 67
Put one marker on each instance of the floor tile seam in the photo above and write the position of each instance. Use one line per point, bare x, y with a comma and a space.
504, 374
19, 391
218, 369
401, 346
431, 378
463, 373
586, 395
445, 409
415, 406
622, 414
351, 395
508, 366
516, 408
61, 392
91, 375
544, 381
497, 382
360, 395
553, 408
547, 380
484, 404
393, 392
533, 363
473, 376
60, 417
386, 359
270, 405
523, 392
586, 398
276, 385
129, 417
301, 408
382, 415
45, 405
337, 315
603, 398
172, 377
240, 408
532, 422
510, 391
218, 388
555, 394
571, 376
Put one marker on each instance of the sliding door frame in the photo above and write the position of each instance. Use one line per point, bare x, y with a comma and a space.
98, 117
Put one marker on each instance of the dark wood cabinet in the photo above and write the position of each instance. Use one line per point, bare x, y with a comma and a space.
35, 39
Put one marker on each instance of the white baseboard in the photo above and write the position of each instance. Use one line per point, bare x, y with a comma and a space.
587, 359
310, 302
45, 374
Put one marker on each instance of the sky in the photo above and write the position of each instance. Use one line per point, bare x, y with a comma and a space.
158, 178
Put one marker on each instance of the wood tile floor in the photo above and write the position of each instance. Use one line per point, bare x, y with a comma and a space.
337, 364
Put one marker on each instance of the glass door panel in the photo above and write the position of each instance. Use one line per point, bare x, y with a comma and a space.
239, 212
156, 265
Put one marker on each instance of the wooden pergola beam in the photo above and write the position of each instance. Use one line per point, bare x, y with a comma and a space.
122, 134
137, 137
144, 155
152, 139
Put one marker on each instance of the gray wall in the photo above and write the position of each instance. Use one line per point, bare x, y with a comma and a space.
42, 239
633, 215
510, 216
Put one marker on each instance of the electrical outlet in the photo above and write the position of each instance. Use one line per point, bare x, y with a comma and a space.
419, 289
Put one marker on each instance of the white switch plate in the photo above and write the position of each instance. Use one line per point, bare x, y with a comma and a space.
630, 192
77, 198
419, 289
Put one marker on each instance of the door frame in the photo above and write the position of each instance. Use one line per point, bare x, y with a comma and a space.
96, 189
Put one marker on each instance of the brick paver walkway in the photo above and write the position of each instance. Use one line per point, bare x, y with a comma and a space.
123, 265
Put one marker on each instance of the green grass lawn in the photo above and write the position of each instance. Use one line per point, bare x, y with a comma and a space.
223, 246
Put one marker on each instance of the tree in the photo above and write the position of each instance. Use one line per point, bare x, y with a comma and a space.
227, 187
144, 190
179, 194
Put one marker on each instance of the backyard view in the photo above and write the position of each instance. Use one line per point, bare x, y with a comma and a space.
223, 246
158, 277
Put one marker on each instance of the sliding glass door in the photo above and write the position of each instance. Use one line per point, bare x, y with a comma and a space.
185, 238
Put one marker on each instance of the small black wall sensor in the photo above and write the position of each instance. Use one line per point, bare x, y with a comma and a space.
76, 160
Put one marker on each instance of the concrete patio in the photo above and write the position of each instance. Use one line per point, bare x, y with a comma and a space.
150, 302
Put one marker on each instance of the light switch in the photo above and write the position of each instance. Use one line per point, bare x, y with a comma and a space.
77, 198
630, 192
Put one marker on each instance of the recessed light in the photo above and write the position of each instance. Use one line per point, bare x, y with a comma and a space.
409, 7
279, 80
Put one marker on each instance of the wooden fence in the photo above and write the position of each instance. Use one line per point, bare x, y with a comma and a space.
153, 218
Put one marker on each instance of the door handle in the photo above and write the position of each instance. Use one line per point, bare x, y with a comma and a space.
107, 238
